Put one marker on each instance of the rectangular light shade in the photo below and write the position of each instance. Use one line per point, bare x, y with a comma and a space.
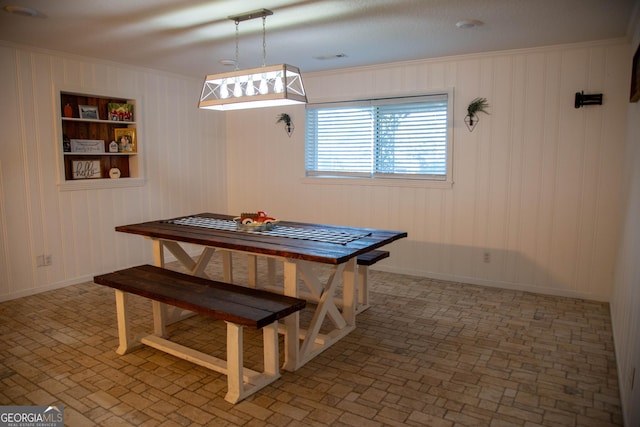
253, 88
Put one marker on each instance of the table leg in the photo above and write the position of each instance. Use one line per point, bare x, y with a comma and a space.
159, 318
271, 271
313, 342
158, 253
227, 266
195, 268
324, 293
165, 314
291, 322
349, 291
252, 270
202, 263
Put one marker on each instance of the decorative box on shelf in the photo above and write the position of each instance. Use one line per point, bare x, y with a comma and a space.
87, 146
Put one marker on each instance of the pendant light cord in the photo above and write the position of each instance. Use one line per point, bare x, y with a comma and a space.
237, 50
264, 40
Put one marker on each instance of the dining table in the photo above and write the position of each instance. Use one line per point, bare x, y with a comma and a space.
300, 246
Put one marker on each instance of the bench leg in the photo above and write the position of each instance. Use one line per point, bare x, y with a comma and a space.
271, 352
235, 382
241, 384
125, 342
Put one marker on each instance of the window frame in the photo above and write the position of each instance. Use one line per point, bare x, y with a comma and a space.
384, 179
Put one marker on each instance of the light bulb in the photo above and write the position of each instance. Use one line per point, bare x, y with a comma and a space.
263, 85
224, 90
250, 89
277, 86
237, 89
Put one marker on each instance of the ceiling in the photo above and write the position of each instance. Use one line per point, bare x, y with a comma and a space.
191, 37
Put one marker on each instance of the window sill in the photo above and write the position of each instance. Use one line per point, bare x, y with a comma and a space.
378, 182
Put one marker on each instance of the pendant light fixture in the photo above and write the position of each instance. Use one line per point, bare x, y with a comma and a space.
266, 86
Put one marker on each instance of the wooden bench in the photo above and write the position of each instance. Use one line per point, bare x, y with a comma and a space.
238, 306
364, 262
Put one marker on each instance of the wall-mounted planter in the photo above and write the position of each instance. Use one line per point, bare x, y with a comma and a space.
478, 105
471, 122
288, 124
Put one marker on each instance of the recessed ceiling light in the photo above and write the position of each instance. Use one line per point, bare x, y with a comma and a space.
22, 11
332, 56
468, 23
227, 62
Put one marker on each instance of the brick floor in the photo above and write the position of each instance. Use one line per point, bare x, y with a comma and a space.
427, 353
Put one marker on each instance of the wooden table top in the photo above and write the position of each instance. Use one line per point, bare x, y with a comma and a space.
265, 243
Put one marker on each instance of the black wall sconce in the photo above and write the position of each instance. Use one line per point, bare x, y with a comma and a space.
582, 99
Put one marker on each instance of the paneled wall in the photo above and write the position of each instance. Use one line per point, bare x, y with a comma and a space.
549, 191
183, 150
537, 184
625, 297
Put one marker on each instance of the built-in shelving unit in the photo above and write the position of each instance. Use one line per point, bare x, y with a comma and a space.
99, 141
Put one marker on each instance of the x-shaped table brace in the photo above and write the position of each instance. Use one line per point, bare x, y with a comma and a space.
313, 342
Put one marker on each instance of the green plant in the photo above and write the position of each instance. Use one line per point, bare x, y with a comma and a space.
285, 118
288, 125
478, 105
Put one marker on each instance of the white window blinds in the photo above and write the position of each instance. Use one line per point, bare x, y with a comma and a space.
384, 138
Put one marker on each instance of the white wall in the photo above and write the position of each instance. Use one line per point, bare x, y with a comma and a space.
537, 184
185, 164
625, 298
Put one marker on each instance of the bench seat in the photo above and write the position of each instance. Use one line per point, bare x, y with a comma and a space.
371, 257
365, 261
238, 306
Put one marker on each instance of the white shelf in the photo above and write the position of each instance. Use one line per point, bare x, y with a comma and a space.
108, 122
129, 162
100, 183
79, 153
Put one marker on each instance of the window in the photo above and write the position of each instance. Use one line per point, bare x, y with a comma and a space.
382, 138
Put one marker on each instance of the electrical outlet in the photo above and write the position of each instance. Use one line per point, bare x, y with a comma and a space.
486, 257
44, 260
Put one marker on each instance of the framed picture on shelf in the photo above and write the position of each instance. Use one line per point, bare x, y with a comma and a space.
126, 140
87, 146
120, 112
88, 112
86, 169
